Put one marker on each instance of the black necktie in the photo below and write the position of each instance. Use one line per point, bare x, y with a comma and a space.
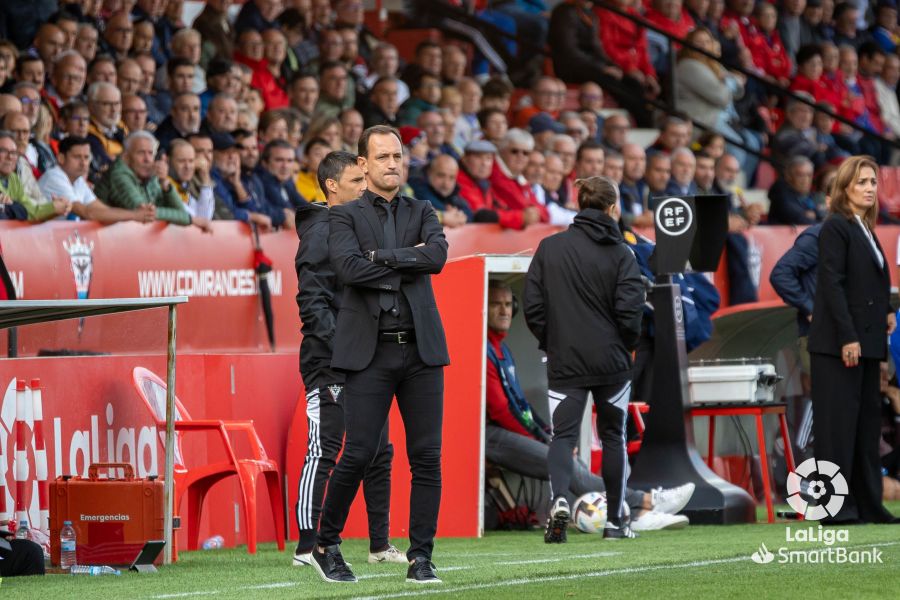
388, 300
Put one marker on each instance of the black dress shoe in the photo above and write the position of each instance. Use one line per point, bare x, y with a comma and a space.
331, 566
421, 570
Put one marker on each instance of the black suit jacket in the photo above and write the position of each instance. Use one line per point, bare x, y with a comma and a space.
852, 292
355, 228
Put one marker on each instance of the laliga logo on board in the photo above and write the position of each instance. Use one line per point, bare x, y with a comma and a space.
82, 263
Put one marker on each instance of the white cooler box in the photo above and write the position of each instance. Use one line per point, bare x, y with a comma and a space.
747, 383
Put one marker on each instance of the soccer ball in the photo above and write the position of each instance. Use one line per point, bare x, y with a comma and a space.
590, 512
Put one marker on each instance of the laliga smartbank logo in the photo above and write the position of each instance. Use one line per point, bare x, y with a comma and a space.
816, 489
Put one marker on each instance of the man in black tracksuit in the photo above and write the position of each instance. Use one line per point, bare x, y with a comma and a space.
583, 302
319, 300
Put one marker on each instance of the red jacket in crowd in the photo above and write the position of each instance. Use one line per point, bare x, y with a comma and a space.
273, 94
625, 42
512, 196
770, 55
477, 197
821, 89
679, 28
498, 411
870, 98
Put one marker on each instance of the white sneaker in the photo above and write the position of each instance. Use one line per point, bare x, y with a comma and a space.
302, 560
672, 500
391, 555
652, 520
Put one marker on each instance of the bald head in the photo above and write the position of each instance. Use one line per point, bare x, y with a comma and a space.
442, 174
9, 104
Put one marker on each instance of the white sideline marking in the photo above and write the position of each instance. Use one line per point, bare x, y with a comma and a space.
186, 594
537, 561
574, 576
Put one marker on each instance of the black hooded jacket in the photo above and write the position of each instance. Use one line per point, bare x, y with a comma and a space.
318, 297
583, 301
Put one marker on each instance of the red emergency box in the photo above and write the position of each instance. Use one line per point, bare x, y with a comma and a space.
112, 517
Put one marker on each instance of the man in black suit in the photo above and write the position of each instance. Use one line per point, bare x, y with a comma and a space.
389, 340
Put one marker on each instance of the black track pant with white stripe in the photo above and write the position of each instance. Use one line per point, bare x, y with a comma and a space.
325, 420
567, 410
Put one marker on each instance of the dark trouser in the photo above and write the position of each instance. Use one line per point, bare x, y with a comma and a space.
847, 427
26, 558
397, 370
325, 420
528, 457
612, 408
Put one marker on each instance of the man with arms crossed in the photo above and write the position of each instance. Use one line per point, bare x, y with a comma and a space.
389, 339
319, 301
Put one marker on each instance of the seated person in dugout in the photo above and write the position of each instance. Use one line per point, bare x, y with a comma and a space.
516, 439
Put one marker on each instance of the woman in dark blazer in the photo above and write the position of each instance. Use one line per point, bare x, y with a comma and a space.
852, 318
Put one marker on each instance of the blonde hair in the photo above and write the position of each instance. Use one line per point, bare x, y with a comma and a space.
846, 175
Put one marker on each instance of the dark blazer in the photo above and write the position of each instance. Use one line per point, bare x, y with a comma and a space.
794, 275
355, 228
852, 292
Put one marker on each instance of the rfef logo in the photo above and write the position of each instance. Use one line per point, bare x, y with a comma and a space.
674, 216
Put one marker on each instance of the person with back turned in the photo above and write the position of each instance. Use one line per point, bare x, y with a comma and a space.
851, 319
389, 341
319, 299
583, 301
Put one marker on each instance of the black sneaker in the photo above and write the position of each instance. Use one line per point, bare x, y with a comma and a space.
618, 532
557, 522
422, 570
331, 566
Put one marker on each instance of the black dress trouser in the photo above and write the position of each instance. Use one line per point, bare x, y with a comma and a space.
396, 369
325, 421
847, 427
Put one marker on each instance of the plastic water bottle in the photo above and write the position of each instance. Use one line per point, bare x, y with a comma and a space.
67, 546
216, 542
22, 530
94, 570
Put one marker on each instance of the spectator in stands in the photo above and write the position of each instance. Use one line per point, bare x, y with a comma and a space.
589, 160
884, 29
129, 77
625, 42
684, 165
306, 182
671, 17
810, 77
515, 203
135, 178
117, 36
545, 97
73, 119
183, 120
39, 207
710, 143
67, 181
467, 127
221, 116
493, 124
13, 200
303, 94
215, 29
790, 197
590, 97
846, 17
86, 41
565, 147
797, 136
871, 62
743, 214
656, 179
179, 80
812, 28
134, 113
335, 95
555, 178
148, 71
192, 180
474, 180
38, 153
771, 56
143, 38
574, 126
426, 93
386, 63
277, 176
351, 129
589, 118
187, 44
704, 173
48, 43
273, 125
428, 59
497, 93
824, 125
858, 110
102, 68
8, 104
439, 186
432, 124
220, 78
706, 93
453, 64
229, 187
266, 66
382, 106
66, 79
789, 25
615, 127
578, 57
673, 134
614, 166
518, 439
543, 128
258, 15
886, 90
247, 145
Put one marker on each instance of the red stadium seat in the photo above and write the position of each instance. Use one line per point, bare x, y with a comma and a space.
889, 190
197, 481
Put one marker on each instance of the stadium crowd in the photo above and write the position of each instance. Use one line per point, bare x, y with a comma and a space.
117, 110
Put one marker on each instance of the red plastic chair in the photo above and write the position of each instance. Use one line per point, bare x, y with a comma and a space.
635, 411
197, 481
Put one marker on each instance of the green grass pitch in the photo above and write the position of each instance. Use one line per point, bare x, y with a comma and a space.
698, 562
